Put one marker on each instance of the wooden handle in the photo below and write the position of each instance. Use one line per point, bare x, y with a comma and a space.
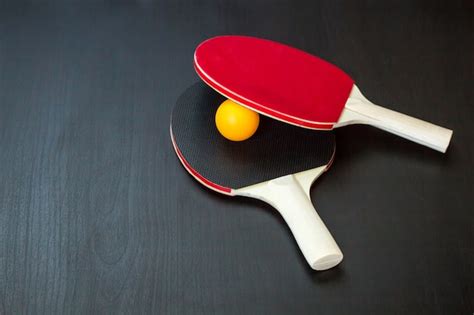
288, 196
360, 110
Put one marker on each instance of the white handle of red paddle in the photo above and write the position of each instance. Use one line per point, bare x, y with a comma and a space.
359, 110
290, 196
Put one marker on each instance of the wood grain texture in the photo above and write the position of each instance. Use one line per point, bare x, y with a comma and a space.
97, 215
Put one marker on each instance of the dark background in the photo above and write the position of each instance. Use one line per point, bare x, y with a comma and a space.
98, 216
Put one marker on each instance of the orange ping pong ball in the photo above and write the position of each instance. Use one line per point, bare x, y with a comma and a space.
236, 122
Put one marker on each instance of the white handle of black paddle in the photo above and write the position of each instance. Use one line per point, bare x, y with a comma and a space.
290, 196
359, 110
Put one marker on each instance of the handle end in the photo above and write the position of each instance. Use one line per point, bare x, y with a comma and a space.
445, 140
326, 262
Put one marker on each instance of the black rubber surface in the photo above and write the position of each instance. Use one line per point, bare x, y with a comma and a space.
275, 150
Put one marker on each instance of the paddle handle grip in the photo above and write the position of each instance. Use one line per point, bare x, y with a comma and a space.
360, 110
313, 238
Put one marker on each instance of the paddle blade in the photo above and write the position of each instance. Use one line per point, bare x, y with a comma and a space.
274, 79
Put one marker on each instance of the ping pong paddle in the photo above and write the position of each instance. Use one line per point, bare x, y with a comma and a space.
301, 89
277, 165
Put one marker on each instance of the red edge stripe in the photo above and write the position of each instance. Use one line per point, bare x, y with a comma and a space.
263, 110
195, 174
332, 159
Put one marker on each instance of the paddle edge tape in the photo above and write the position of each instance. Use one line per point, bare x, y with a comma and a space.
218, 188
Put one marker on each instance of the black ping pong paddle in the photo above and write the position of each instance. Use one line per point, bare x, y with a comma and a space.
277, 165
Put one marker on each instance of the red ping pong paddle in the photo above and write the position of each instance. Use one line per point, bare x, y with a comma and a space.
277, 165
298, 88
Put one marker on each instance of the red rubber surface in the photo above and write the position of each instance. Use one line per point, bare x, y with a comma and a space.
274, 79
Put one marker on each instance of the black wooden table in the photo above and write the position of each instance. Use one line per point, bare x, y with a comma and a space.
97, 216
